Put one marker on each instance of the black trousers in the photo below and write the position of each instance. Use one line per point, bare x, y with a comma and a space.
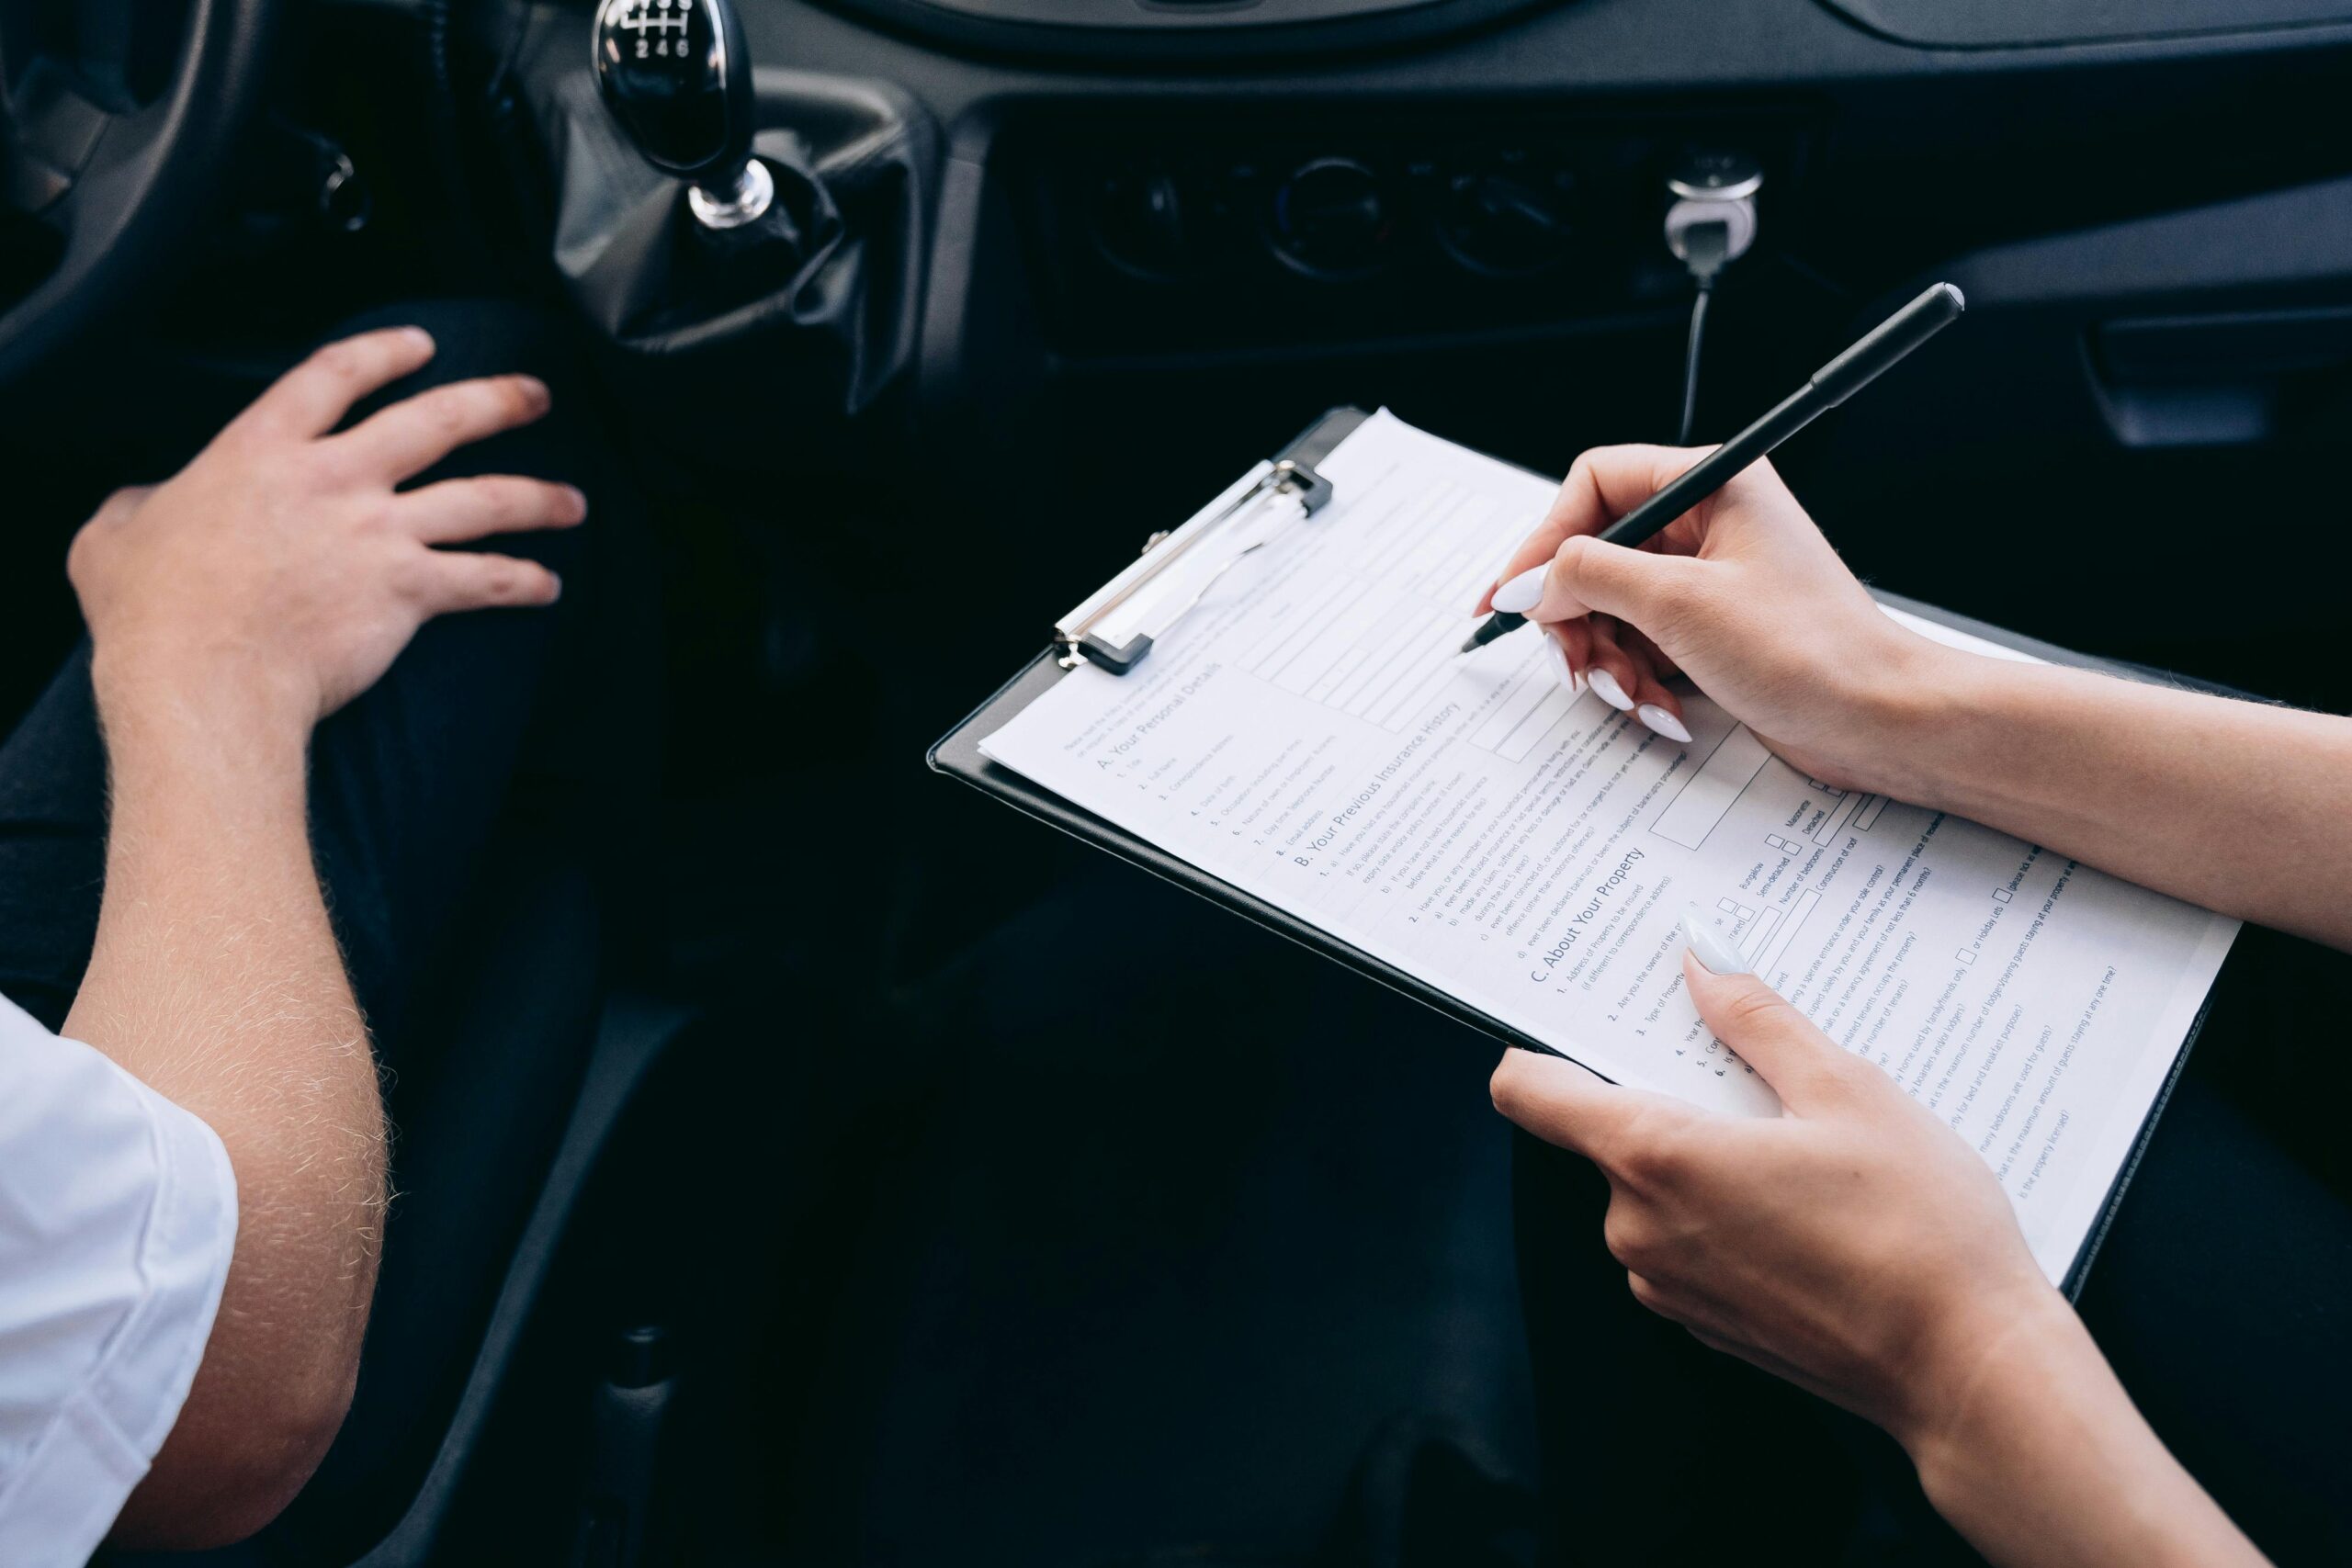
491, 727
2222, 1297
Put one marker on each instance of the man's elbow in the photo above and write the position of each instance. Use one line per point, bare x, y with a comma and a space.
231, 1467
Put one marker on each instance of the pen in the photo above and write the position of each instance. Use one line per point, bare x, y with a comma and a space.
1878, 351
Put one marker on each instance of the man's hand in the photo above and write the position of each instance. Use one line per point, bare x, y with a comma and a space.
1855, 1247
284, 566
272, 581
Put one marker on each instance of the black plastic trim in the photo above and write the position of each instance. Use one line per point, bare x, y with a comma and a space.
2051, 24
1176, 32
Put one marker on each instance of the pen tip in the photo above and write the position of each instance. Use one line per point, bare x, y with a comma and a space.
1470, 645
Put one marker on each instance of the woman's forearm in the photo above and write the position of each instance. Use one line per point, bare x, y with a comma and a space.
2234, 806
2041, 1460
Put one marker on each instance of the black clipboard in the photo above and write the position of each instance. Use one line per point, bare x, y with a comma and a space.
958, 754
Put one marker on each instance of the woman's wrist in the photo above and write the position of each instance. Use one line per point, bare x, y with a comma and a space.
2023, 1379
1972, 1367
1937, 715
2029, 1445
1908, 699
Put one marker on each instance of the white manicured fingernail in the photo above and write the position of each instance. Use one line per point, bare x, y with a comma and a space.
1664, 723
1523, 592
1559, 657
1708, 945
1611, 692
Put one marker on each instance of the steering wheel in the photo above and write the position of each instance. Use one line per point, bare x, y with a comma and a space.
117, 118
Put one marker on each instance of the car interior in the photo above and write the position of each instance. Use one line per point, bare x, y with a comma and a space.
914, 1185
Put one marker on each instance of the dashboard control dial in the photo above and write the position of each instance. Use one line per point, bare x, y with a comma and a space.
1509, 219
1146, 222
1331, 219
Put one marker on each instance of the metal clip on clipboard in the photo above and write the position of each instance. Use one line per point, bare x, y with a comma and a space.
1114, 627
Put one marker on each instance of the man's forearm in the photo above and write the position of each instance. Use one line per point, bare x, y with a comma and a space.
216, 978
2234, 806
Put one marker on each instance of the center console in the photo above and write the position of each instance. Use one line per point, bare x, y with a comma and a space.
1148, 242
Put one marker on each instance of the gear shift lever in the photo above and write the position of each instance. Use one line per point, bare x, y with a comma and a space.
677, 75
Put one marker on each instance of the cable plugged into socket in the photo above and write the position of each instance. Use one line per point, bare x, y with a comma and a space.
1711, 225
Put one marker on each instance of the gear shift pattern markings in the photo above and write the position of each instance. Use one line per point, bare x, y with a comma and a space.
677, 75
659, 17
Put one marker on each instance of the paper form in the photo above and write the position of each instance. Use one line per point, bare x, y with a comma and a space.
1310, 734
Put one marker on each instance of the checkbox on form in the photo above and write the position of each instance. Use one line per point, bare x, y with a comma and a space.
1967, 956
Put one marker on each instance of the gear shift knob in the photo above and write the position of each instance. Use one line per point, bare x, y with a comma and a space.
677, 75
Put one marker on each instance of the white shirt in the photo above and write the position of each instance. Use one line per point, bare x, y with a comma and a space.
116, 1213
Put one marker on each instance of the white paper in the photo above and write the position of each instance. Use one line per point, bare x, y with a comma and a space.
1310, 734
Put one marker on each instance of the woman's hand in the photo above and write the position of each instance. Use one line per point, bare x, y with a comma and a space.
1855, 1247
1852, 1245
282, 566
1742, 594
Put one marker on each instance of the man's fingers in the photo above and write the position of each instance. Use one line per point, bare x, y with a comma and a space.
416, 433
455, 581
1603, 484
312, 398
455, 512
1563, 1103
1804, 1066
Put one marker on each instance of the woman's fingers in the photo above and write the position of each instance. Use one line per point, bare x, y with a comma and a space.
1563, 1103
1631, 682
1575, 641
1639, 642
119, 506
1603, 484
416, 433
1655, 702
457, 580
1622, 668
1804, 1066
311, 398
1555, 654
1730, 1344
1615, 676
1670, 1297
455, 512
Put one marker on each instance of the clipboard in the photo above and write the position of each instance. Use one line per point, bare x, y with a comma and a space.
957, 753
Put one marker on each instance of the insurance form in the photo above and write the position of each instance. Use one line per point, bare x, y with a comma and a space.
1310, 734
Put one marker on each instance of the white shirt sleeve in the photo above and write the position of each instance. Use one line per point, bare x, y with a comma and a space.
117, 1210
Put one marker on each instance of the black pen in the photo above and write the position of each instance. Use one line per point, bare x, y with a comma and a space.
1879, 349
